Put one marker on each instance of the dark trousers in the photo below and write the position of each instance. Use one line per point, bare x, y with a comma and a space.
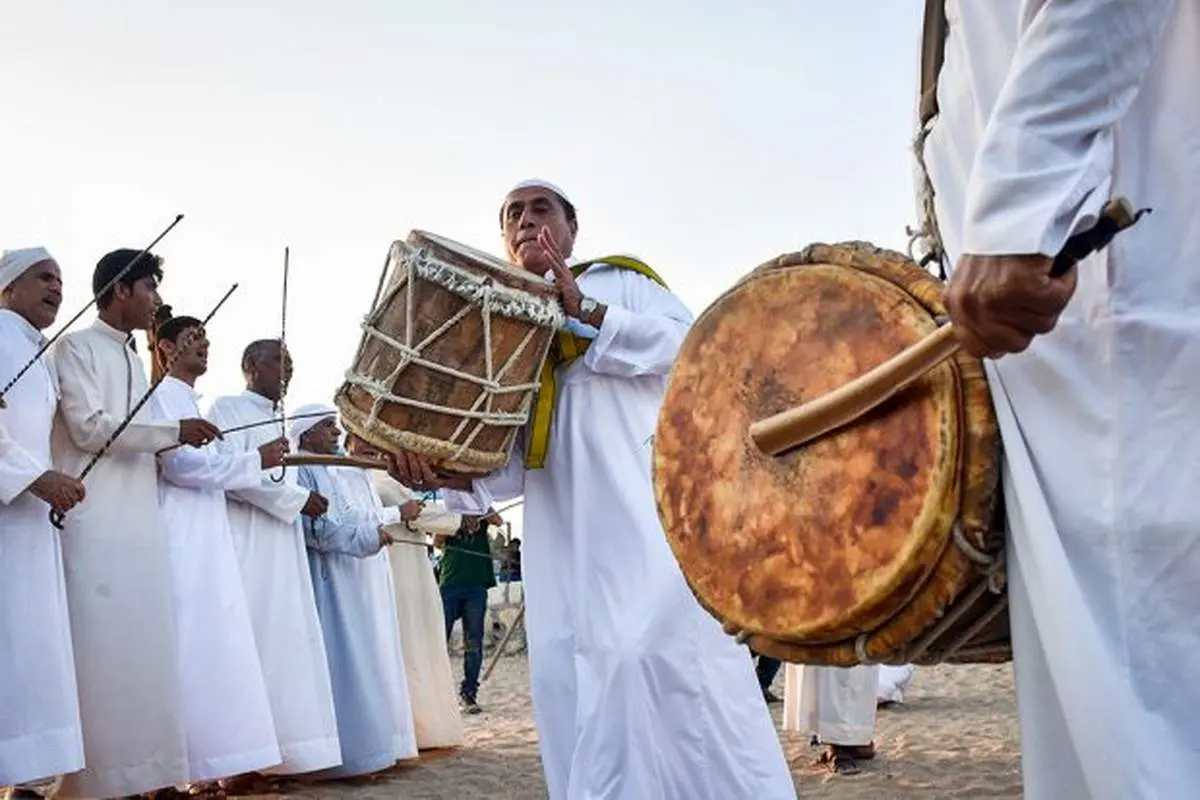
468, 603
766, 668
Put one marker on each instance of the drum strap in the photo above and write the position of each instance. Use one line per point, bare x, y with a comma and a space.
933, 52
566, 348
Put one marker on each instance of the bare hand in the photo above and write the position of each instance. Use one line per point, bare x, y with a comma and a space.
564, 279
411, 510
61, 492
198, 432
315, 507
271, 454
415, 472
494, 519
999, 303
385, 538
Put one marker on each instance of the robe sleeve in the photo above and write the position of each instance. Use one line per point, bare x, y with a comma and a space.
1044, 167
283, 501
81, 408
506, 483
210, 469
643, 338
18, 467
357, 536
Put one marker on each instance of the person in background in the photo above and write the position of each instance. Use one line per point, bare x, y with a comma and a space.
466, 576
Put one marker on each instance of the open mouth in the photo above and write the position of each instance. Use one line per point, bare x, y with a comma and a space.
52, 303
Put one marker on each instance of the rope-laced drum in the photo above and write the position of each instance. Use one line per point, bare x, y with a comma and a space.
875, 543
450, 355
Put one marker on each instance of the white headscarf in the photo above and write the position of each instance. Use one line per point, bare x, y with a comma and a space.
302, 423
15, 263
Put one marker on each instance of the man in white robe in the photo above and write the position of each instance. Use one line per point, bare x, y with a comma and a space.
40, 733
420, 618
269, 540
837, 707
1048, 109
637, 691
356, 603
117, 569
226, 713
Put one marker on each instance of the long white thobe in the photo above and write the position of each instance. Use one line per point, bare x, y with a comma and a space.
637, 691
269, 541
836, 705
118, 572
227, 716
421, 619
357, 606
1047, 109
39, 711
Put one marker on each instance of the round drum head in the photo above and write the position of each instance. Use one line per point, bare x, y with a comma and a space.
824, 542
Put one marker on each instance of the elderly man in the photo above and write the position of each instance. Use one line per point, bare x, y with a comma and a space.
1048, 109
226, 713
352, 582
118, 571
40, 734
637, 691
420, 616
269, 541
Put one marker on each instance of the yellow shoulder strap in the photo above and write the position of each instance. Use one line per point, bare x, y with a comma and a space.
567, 348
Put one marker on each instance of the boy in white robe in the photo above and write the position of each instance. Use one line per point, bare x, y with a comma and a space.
273, 561
226, 713
637, 691
1048, 109
40, 734
356, 603
837, 707
118, 572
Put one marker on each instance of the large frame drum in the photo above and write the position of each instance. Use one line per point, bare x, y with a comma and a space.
876, 543
450, 355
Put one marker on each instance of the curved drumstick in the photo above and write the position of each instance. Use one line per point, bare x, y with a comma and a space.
277, 406
803, 423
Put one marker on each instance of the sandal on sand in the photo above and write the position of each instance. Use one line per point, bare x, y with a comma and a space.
843, 759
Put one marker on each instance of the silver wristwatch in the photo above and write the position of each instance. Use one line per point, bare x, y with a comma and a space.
586, 306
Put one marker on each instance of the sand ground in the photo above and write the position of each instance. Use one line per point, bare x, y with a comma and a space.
955, 737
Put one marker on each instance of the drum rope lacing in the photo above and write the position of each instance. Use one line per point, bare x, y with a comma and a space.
993, 580
484, 296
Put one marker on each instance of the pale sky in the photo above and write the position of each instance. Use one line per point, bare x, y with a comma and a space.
705, 137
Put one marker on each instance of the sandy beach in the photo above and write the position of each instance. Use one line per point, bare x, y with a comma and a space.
955, 737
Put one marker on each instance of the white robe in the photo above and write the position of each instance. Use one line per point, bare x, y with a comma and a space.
834, 704
40, 733
637, 691
227, 716
421, 621
269, 541
357, 604
1047, 109
118, 572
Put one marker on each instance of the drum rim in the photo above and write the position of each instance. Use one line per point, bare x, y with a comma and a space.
943, 492
511, 275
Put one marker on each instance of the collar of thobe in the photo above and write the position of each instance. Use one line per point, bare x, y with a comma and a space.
258, 400
112, 333
27, 330
183, 385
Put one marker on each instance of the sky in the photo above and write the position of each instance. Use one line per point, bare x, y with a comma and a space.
705, 137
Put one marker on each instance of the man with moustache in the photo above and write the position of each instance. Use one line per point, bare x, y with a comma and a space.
637, 691
40, 734
226, 712
269, 540
118, 572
